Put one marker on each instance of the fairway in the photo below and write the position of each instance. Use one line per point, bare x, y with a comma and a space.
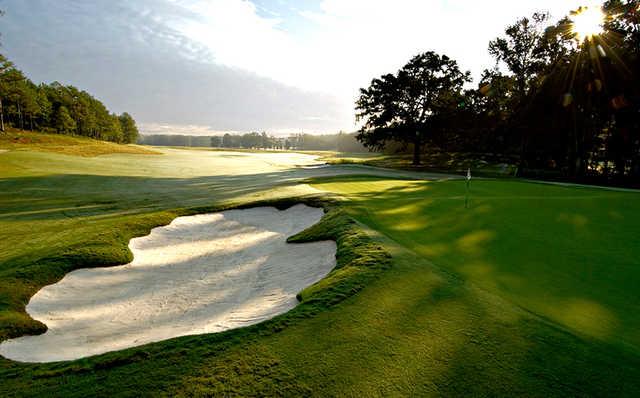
514, 296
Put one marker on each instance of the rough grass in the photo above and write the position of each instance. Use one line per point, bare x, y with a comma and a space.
18, 140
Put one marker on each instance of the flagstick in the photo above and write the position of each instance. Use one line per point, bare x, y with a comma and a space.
466, 196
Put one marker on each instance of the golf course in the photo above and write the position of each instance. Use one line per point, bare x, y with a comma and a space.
323, 198
532, 289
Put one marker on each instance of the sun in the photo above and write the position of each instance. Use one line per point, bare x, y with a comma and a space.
587, 22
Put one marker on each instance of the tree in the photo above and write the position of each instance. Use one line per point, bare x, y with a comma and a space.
523, 50
21, 102
15, 92
265, 141
115, 133
5, 67
406, 106
64, 123
30, 103
129, 128
624, 43
44, 116
227, 141
529, 50
215, 141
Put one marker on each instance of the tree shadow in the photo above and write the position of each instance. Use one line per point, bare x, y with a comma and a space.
552, 251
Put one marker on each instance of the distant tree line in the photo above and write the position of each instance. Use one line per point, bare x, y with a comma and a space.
557, 103
58, 108
176, 140
342, 142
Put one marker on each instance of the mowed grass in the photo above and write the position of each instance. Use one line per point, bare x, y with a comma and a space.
568, 254
378, 326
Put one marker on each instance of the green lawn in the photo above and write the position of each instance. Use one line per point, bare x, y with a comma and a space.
515, 296
565, 253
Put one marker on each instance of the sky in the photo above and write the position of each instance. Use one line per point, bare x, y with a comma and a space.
210, 66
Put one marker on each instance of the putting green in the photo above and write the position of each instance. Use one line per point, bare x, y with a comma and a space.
569, 254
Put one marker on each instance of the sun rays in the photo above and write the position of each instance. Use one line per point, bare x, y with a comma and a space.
588, 22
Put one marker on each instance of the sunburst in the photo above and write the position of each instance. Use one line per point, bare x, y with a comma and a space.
588, 22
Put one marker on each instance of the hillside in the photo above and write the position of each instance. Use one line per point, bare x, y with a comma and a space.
17, 140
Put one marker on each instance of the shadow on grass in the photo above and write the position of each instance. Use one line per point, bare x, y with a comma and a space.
556, 252
418, 330
335, 225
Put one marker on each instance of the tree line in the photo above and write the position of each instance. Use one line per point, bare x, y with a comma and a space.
343, 142
58, 108
558, 101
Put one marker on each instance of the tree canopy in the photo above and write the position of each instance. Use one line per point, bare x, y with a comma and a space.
58, 108
406, 106
557, 102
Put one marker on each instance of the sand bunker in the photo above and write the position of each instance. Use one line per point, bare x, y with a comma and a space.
200, 274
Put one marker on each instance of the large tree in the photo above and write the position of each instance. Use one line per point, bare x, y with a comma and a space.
530, 49
623, 43
406, 106
523, 50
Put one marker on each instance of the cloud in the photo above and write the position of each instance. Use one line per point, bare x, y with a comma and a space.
130, 55
347, 42
243, 65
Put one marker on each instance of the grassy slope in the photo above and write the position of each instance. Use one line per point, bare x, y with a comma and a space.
415, 330
71, 145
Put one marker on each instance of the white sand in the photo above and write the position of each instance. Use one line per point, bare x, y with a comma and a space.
200, 274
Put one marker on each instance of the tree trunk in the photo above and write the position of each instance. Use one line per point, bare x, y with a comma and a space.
1, 117
416, 149
20, 115
522, 155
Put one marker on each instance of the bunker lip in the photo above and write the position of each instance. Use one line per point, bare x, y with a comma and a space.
200, 274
